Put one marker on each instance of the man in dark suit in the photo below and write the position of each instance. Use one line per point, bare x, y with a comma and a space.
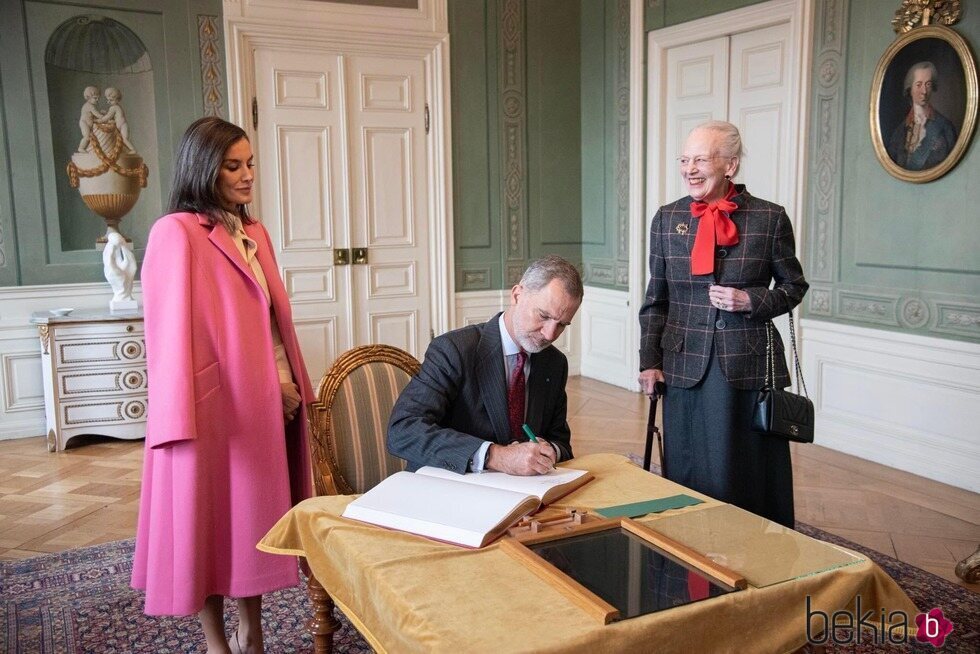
480, 384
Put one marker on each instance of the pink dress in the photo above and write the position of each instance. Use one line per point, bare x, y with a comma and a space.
220, 466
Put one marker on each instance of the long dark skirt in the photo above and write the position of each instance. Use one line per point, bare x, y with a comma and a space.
709, 446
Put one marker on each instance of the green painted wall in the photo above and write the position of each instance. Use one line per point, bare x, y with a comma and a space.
554, 151
882, 251
605, 143
477, 227
47, 235
536, 137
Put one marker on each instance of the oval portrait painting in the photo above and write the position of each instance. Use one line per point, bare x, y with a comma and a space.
923, 104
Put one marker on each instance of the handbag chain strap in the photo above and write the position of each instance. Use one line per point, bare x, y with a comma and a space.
771, 358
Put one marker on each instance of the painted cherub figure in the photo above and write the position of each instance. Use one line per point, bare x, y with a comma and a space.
88, 116
115, 114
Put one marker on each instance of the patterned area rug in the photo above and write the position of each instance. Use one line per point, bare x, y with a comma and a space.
80, 602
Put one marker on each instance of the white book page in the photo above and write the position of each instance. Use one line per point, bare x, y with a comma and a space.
439, 508
536, 485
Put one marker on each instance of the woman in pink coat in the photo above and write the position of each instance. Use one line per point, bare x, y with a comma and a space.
226, 442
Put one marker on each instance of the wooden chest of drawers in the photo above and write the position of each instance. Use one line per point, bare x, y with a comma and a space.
94, 371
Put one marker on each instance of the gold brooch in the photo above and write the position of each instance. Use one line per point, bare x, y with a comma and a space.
682, 228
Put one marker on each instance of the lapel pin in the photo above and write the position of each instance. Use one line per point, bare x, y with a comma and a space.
682, 228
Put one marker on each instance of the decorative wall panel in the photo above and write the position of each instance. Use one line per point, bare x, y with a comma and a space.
309, 284
392, 280
318, 336
386, 93
398, 328
878, 250
389, 180
297, 88
554, 75
212, 66
302, 149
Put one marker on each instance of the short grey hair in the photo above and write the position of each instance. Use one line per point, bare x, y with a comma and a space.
542, 271
731, 142
922, 65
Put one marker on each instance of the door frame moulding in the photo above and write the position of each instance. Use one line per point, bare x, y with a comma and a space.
638, 153
244, 36
429, 16
799, 15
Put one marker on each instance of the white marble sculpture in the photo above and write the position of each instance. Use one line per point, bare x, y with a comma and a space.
119, 266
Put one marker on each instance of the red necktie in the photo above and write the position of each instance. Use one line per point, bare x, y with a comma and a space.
715, 227
515, 399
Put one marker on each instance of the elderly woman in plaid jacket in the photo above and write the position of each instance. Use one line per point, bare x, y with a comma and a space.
713, 256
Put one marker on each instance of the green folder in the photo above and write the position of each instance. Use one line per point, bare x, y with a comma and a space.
649, 506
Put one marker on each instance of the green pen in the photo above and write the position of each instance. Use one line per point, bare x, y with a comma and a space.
530, 434
534, 439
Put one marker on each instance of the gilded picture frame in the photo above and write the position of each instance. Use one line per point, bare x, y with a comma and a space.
923, 106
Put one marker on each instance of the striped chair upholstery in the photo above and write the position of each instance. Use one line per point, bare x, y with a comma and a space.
350, 418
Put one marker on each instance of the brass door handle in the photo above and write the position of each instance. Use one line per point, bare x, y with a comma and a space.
341, 257
360, 255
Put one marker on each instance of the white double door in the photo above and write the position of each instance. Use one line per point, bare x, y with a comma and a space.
341, 166
745, 79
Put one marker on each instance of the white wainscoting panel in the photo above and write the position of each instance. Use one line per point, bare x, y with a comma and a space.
21, 385
605, 321
474, 307
906, 401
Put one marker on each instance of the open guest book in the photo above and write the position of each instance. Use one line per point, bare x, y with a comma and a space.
470, 510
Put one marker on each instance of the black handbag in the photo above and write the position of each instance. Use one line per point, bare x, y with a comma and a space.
780, 413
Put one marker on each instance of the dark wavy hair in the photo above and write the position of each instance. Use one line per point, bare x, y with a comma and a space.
197, 164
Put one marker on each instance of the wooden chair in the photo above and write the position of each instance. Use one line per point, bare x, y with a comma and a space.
349, 419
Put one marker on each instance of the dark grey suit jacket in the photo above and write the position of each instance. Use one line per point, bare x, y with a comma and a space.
679, 325
459, 400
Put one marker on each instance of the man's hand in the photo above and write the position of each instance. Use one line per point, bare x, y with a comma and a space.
290, 400
648, 379
522, 458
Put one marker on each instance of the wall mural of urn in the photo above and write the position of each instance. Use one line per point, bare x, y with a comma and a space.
105, 62
101, 103
106, 170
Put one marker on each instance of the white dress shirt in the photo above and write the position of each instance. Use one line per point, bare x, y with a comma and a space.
510, 350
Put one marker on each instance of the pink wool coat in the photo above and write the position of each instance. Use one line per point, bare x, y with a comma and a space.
220, 467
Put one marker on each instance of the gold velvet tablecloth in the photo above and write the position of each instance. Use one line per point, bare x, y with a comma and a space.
406, 593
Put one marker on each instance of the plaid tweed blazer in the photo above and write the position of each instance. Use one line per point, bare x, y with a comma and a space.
678, 323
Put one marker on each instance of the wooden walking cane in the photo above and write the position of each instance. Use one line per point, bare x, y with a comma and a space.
659, 389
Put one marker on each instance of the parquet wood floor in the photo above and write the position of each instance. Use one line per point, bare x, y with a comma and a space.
89, 494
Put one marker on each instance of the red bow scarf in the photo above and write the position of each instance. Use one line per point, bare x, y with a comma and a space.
715, 227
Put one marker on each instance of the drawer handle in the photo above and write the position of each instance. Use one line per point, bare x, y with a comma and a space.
134, 410
133, 380
131, 350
